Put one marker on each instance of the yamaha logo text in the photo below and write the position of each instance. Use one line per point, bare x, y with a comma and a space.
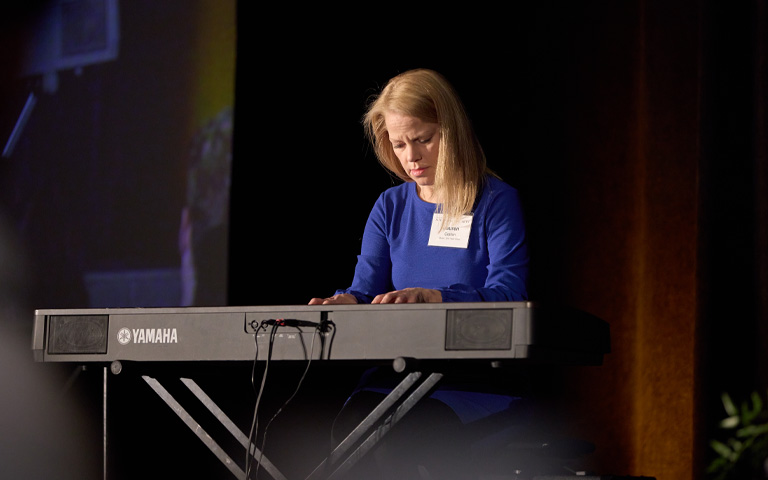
147, 335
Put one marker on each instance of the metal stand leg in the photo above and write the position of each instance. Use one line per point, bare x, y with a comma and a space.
203, 435
104, 422
336, 464
390, 400
230, 425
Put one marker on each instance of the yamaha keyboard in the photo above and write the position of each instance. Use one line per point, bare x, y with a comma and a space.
441, 331
430, 334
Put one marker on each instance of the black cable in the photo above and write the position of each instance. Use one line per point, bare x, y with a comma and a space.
298, 386
260, 392
275, 323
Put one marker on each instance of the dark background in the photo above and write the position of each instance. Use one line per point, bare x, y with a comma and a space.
304, 99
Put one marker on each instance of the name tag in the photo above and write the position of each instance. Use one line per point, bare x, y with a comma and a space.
456, 235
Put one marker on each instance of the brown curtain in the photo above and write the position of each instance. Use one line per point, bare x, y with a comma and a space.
665, 222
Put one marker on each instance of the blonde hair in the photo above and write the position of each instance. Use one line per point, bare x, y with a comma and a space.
461, 165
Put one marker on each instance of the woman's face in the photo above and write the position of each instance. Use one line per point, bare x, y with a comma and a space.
415, 144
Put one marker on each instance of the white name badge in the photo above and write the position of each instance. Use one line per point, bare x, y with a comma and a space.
456, 236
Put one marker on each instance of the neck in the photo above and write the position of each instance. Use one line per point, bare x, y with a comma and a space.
426, 193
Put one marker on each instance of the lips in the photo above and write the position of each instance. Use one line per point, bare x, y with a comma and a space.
417, 172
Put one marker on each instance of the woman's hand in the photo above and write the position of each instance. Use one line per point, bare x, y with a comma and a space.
410, 295
334, 300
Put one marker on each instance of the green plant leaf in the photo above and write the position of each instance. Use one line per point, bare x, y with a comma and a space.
719, 463
730, 422
749, 414
736, 445
752, 431
729, 406
745, 450
722, 449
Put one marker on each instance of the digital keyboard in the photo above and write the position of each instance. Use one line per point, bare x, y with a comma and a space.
458, 332
438, 331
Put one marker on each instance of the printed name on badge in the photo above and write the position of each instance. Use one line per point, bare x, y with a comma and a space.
455, 235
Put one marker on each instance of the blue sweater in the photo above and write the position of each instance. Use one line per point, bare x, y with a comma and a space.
395, 253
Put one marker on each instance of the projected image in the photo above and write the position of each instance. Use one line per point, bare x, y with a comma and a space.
116, 137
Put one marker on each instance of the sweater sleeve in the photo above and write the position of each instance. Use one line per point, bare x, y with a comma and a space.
373, 272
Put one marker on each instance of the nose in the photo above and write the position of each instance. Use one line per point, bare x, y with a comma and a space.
412, 153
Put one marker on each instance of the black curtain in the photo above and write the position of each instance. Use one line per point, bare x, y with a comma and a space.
733, 208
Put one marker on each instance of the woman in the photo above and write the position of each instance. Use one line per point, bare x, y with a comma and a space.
452, 231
